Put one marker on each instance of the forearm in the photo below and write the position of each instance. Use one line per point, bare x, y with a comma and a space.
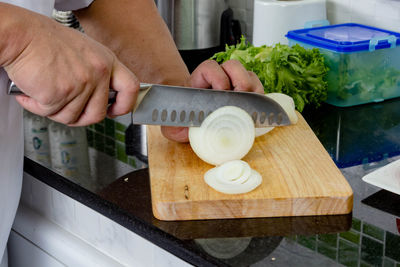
14, 34
136, 33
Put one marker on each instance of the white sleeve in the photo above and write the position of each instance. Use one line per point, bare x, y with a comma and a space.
67, 5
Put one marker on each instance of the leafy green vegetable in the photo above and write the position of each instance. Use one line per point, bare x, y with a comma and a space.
295, 71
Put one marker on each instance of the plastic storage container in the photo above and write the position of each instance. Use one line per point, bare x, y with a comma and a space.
69, 152
363, 61
36, 134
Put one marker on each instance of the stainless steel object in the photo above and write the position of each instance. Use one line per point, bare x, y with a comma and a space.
194, 24
184, 106
67, 18
12, 89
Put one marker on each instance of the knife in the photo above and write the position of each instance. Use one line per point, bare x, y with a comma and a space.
184, 106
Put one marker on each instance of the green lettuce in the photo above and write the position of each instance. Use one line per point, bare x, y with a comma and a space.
295, 71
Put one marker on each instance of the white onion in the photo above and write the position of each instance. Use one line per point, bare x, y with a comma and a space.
233, 177
226, 134
264, 130
287, 103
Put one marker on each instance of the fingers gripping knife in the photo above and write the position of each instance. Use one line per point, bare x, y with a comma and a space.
188, 107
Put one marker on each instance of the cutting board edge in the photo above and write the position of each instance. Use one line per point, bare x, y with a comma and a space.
167, 211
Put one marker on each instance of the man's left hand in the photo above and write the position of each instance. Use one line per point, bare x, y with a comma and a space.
230, 75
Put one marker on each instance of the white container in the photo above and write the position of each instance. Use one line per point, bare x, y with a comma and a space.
274, 18
36, 135
69, 152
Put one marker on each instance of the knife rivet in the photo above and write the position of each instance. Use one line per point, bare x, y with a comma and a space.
154, 116
263, 116
164, 115
183, 116
173, 115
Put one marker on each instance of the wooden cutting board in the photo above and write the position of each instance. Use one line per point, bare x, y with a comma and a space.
299, 178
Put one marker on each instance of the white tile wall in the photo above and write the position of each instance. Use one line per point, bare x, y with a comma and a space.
378, 13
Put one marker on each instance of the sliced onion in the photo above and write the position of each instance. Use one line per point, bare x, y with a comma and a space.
287, 103
264, 130
233, 177
226, 134
234, 172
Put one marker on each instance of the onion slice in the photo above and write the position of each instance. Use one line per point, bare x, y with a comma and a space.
287, 103
226, 134
233, 177
264, 130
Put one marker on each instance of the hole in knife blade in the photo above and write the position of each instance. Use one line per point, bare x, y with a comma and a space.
191, 116
183, 116
173, 115
164, 115
154, 116
280, 118
271, 118
254, 116
263, 116
201, 116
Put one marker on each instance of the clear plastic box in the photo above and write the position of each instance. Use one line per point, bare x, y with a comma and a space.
363, 61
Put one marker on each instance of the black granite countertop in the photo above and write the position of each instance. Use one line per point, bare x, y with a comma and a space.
359, 139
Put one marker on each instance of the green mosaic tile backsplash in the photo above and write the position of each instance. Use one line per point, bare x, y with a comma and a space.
371, 251
392, 247
363, 245
108, 136
373, 231
348, 254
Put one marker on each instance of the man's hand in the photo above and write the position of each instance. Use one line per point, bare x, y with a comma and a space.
230, 75
67, 75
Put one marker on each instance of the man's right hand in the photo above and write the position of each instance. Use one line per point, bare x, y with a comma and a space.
66, 75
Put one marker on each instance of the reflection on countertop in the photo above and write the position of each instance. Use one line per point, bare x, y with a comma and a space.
237, 242
359, 139
132, 193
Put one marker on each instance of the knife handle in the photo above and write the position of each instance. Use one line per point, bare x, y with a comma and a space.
12, 89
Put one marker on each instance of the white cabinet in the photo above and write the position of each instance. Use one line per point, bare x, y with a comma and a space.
22, 253
75, 235
54, 243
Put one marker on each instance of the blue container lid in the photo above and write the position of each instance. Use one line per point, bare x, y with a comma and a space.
348, 37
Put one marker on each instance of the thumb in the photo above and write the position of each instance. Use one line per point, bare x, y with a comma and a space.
127, 86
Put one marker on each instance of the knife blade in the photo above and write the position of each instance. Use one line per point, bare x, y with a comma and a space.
188, 107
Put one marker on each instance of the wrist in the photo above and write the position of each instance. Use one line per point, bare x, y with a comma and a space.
14, 31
